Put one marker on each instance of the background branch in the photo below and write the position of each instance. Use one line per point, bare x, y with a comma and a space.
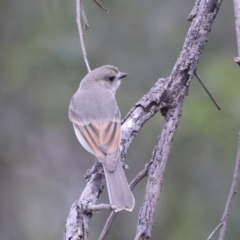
214, 230
101, 6
161, 97
80, 13
237, 23
231, 195
233, 190
206, 89
223, 223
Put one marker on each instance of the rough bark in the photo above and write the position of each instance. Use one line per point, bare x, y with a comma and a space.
157, 169
202, 16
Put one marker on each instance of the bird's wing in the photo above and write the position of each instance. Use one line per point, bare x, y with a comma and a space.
102, 138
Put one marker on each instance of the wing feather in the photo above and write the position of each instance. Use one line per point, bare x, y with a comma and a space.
92, 141
100, 136
103, 139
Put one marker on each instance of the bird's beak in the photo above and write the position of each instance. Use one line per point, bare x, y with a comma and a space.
122, 75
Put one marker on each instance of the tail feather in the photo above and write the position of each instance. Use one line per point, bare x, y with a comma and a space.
119, 192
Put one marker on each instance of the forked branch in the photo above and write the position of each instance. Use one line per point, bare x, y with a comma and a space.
162, 97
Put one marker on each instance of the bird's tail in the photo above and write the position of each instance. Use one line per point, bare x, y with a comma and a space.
119, 192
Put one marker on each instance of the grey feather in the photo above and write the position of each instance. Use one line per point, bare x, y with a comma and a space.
119, 192
97, 123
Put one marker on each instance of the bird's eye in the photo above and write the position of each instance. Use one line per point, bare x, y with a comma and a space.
111, 78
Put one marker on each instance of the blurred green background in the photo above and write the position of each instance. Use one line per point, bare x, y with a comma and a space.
41, 162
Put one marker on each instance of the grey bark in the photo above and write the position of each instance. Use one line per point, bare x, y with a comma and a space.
167, 96
202, 16
157, 169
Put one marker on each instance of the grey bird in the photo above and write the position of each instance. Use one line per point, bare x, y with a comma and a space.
97, 123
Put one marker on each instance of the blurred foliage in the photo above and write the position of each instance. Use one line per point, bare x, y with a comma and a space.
41, 162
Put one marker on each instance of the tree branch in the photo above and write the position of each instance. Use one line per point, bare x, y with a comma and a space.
113, 214
213, 232
80, 13
161, 97
231, 195
101, 6
183, 71
223, 223
237, 23
157, 170
233, 190
207, 91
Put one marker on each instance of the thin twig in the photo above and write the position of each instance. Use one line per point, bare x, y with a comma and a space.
232, 193
194, 11
237, 23
113, 214
140, 176
223, 223
101, 6
235, 180
215, 229
207, 91
79, 10
98, 207
237, 60
84, 18
107, 225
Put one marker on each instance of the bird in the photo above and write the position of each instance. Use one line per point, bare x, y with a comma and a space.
96, 120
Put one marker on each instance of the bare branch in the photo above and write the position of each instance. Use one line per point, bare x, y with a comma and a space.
98, 207
84, 18
223, 223
233, 190
183, 71
232, 193
79, 10
157, 170
140, 176
107, 225
77, 223
214, 230
113, 214
237, 60
72, 229
161, 97
101, 6
237, 23
207, 91
194, 11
